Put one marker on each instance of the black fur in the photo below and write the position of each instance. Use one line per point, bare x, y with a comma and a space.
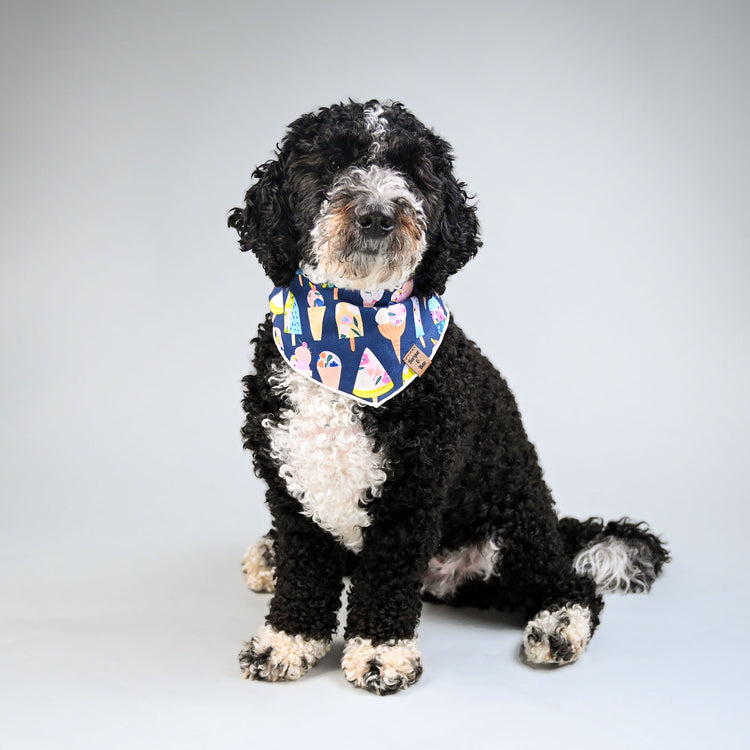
461, 468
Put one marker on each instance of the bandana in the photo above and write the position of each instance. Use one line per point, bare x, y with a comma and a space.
368, 346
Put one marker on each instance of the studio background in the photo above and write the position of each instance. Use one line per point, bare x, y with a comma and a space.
607, 146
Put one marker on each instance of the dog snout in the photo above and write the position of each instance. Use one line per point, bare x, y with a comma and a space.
375, 223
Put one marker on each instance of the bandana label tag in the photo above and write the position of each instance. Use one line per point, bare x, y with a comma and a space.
417, 360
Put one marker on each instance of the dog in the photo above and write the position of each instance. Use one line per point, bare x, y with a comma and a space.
434, 492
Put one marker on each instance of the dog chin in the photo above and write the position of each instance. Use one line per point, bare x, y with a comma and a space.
367, 269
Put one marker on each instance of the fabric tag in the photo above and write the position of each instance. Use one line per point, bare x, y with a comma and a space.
417, 360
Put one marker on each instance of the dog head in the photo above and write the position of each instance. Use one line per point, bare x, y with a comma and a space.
362, 196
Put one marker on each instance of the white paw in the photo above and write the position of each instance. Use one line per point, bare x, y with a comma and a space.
559, 636
274, 655
383, 669
258, 566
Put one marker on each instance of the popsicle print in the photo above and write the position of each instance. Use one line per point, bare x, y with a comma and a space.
349, 322
291, 318
418, 327
402, 294
438, 315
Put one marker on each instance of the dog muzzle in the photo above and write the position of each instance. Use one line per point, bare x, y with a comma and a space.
368, 346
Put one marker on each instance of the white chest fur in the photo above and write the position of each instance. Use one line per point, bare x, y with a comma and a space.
325, 458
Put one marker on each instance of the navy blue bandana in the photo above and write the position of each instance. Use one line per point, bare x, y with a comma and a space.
365, 345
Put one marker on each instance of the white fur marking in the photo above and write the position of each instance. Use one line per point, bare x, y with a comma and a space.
615, 565
573, 623
448, 570
377, 126
391, 666
288, 656
325, 459
259, 574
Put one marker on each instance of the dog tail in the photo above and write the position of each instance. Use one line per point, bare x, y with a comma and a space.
618, 556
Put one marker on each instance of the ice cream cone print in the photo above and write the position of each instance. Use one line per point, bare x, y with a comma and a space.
370, 298
391, 322
418, 327
329, 369
372, 379
315, 312
349, 321
276, 303
316, 315
291, 317
278, 339
301, 359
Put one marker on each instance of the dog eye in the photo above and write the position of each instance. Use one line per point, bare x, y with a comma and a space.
334, 164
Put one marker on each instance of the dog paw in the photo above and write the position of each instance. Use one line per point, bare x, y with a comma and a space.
558, 636
274, 655
259, 566
383, 669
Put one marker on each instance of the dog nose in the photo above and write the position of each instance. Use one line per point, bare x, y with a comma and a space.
375, 223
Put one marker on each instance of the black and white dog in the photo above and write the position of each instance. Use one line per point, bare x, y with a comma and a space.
436, 493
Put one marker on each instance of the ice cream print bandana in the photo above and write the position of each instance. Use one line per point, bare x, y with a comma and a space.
357, 343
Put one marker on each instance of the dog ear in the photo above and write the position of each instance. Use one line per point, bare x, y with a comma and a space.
452, 241
265, 224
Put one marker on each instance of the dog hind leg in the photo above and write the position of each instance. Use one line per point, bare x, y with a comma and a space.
563, 625
619, 556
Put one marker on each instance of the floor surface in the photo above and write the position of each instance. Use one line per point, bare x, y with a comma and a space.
141, 651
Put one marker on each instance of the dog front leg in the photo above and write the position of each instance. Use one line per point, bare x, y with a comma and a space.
381, 652
303, 612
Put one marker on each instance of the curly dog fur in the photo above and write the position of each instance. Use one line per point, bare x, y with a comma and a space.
438, 493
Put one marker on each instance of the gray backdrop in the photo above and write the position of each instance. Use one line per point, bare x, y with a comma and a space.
608, 146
